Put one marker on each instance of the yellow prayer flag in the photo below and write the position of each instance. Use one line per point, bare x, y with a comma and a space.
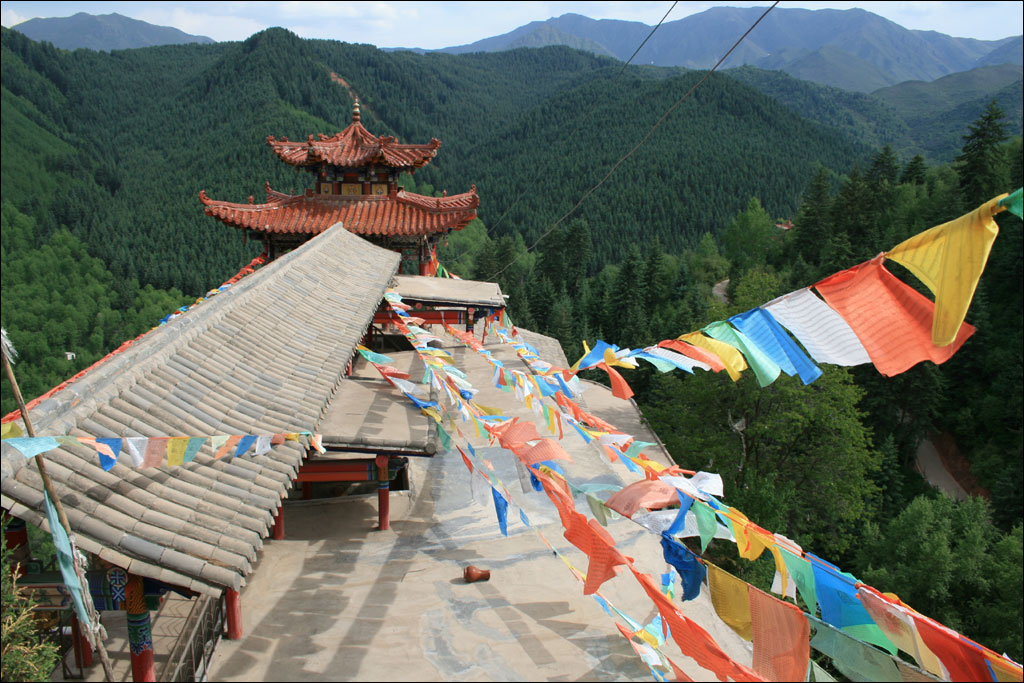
731, 600
949, 259
11, 430
176, 450
731, 357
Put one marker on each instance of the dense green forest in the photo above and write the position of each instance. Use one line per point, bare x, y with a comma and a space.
103, 234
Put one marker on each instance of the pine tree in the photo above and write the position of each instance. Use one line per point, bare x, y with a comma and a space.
981, 163
814, 220
915, 171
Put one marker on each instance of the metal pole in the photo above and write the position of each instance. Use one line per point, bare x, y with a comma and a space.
108, 671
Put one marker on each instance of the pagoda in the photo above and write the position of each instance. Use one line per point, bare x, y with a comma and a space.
356, 184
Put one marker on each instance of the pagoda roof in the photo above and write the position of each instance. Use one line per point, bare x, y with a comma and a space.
400, 214
354, 147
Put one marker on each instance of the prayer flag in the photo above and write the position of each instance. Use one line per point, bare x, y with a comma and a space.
31, 446
501, 508
731, 359
65, 560
691, 571
822, 331
763, 330
780, 634
891, 319
731, 599
949, 260
765, 369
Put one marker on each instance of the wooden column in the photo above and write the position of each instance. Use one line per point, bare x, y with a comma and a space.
233, 607
383, 492
279, 524
16, 535
140, 633
83, 650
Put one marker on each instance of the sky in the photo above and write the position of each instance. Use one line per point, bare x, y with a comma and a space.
433, 25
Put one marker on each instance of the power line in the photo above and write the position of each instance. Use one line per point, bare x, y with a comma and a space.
523, 193
639, 144
648, 37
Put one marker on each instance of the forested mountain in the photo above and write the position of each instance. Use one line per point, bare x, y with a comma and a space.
104, 154
916, 117
103, 32
150, 128
937, 113
852, 49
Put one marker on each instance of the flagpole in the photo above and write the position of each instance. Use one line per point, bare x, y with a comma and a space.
108, 670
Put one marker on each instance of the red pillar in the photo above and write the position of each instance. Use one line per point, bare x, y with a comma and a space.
279, 524
383, 492
233, 606
16, 535
140, 634
83, 650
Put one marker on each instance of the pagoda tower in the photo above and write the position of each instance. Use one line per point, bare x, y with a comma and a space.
356, 184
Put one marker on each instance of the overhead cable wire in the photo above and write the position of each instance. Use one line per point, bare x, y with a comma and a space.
630, 153
648, 37
523, 194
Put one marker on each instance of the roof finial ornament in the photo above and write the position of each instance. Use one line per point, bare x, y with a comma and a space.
355, 112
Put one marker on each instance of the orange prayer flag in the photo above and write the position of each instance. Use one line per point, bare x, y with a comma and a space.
781, 637
694, 352
649, 493
892, 320
620, 388
545, 449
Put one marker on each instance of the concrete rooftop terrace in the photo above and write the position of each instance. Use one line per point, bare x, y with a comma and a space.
340, 600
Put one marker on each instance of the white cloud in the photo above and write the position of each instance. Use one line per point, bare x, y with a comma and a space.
9, 18
217, 26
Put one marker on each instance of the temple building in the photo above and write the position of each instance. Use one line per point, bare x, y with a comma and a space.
356, 184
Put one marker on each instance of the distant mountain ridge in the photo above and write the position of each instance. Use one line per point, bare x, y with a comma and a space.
852, 49
104, 32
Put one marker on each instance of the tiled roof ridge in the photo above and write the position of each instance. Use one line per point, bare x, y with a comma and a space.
277, 199
354, 146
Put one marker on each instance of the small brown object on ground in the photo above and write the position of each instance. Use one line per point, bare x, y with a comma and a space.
472, 574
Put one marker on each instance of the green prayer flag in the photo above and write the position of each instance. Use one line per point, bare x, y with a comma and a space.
765, 369
856, 660
377, 358
65, 560
802, 573
599, 509
1014, 203
707, 525
446, 440
194, 444
634, 448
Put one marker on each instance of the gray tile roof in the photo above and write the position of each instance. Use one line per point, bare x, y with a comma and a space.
451, 291
265, 356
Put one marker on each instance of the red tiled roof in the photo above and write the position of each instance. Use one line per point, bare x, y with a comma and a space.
354, 147
403, 213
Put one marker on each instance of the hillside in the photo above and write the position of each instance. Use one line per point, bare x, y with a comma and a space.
852, 49
165, 122
103, 32
938, 112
